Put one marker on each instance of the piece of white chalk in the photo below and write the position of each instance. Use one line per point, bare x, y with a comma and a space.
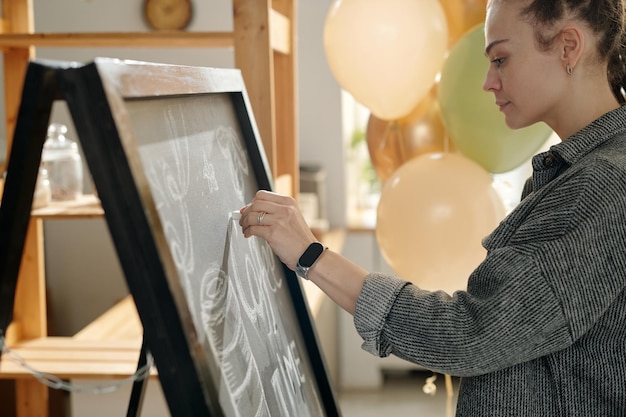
235, 215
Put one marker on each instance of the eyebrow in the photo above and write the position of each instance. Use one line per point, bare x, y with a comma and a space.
492, 44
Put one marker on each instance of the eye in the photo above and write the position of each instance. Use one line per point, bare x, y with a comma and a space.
498, 62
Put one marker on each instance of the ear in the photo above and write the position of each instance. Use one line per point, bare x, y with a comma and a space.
572, 45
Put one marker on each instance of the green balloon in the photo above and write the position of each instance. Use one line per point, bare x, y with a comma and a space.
471, 117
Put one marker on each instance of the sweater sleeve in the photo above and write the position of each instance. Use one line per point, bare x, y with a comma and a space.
462, 334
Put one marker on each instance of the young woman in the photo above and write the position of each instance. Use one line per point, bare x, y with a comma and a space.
541, 329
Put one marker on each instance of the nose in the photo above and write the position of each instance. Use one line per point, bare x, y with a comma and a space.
492, 80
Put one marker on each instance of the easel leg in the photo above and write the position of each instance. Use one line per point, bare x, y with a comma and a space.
450, 395
139, 386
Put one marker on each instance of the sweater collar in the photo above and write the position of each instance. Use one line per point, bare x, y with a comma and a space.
550, 164
590, 137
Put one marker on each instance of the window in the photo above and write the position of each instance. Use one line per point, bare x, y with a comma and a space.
364, 185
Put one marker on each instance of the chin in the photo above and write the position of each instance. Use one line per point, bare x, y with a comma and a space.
518, 124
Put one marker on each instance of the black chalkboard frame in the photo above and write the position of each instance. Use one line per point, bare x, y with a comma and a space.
95, 94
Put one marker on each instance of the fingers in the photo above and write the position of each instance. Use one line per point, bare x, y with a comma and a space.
269, 196
277, 219
269, 209
255, 215
264, 204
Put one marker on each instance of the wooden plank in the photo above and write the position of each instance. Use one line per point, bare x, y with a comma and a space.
286, 103
254, 57
86, 206
17, 15
280, 32
283, 7
67, 358
65, 370
5, 25
114, 369
283, 184
30, 293
265, 52
15, 63
158, 39
71, 355
78, 370
31, 398
61, 343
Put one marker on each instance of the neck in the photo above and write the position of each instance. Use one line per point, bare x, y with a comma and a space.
585, 106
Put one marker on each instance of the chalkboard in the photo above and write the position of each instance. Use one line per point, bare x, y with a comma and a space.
173, 150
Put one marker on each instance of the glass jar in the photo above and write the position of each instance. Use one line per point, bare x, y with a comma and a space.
62, 160
43, 194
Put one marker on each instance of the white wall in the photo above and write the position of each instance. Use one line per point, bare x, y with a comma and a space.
320, 108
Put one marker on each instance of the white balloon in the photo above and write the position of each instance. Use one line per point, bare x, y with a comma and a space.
386, 53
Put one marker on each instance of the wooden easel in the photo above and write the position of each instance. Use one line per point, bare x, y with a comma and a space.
263, 40
101, 96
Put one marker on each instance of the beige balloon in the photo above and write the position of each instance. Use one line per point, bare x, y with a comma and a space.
386, 54
433, 213
462, 16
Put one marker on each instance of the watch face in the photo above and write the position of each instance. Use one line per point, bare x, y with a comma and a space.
311, 254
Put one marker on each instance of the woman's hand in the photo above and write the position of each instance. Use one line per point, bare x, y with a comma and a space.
277, 219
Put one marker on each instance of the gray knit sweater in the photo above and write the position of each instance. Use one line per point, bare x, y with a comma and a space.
541, 329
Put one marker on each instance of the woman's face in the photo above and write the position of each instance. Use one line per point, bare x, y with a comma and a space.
528, 84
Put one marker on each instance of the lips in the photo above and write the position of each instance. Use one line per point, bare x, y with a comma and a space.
502, 104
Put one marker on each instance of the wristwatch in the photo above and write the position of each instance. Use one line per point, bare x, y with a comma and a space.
308, 258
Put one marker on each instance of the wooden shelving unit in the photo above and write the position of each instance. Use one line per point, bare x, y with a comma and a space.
263, 39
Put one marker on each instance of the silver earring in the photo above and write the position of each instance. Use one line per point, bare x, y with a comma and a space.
568, 69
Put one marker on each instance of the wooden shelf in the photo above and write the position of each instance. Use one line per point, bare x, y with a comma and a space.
120, 39
280, 38
69, 357
86, 206
107, 348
